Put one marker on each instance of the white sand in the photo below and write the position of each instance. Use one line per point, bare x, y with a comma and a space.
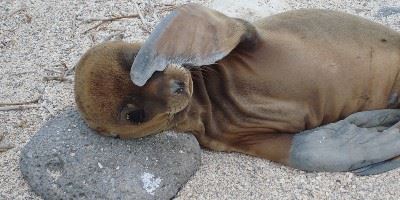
38, 36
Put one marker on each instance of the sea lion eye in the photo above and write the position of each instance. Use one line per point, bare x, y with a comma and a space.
136, 116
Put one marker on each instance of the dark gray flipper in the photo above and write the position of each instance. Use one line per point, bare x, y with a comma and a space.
375, 118
378, 168
343, 146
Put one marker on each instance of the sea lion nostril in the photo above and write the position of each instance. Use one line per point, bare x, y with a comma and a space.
136, 116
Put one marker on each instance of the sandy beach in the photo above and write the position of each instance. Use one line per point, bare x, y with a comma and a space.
41, 41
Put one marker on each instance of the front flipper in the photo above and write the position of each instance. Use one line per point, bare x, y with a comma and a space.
346, 145
190, 35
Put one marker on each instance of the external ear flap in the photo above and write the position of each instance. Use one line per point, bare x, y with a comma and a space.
190, 35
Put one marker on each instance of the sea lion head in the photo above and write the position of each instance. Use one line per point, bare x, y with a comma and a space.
112, 105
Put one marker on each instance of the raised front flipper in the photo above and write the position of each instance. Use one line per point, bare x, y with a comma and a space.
350, 144
190, 35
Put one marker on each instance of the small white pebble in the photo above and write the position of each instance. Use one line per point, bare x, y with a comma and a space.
100, 165
150, 182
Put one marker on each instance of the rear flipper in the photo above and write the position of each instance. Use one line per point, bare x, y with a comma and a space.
350, 144
378, 168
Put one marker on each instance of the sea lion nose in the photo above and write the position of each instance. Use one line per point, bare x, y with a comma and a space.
178, 87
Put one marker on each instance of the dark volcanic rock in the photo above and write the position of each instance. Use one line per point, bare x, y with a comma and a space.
67, 160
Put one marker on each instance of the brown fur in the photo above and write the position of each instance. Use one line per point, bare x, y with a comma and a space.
304, 69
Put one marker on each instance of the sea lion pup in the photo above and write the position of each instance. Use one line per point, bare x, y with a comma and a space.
268, 89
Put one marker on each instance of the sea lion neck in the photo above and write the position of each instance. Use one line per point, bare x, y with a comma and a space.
215, 90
